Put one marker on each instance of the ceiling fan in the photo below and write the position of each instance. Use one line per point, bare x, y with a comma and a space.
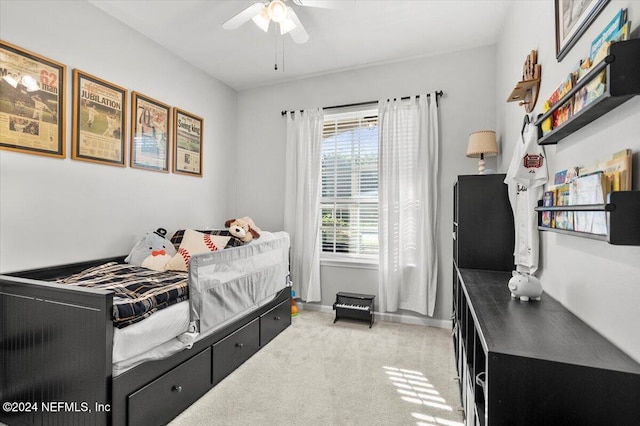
262, 13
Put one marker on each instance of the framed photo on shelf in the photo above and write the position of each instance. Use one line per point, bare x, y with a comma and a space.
99, 120
187, 143
32, 102
573, 17
150, 130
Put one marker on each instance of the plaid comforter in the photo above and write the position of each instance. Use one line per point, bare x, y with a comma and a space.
139, 292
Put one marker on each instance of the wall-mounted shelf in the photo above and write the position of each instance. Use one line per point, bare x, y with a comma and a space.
622, 68
623, 218
519, 92
526, 91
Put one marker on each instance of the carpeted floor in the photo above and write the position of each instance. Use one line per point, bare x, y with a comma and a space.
320, 373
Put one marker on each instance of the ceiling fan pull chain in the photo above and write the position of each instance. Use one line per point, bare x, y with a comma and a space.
275, 67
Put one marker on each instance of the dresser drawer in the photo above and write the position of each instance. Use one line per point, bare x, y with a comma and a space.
235, 349
274, 321
163, 399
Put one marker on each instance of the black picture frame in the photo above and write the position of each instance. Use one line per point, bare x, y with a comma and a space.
572, 20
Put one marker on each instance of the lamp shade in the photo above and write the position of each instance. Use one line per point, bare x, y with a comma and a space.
481, 144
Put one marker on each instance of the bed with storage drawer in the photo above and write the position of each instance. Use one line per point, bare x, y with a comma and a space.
59, 341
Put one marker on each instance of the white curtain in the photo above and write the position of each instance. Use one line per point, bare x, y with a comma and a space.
302, 200
408, 141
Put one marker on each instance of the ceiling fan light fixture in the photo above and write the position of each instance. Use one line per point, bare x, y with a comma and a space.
277, 11
286, 26
262, 20
262, 13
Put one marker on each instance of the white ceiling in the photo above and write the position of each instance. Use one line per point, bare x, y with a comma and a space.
357, 34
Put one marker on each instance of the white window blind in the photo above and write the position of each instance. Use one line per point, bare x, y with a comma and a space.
349, 203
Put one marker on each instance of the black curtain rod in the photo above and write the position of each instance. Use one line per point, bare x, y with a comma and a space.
438, 93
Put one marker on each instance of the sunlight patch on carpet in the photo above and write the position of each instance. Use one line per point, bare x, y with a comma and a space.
414, 388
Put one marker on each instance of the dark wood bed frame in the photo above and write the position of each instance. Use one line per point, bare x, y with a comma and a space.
56, 346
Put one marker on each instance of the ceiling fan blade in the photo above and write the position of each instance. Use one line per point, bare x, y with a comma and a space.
244, 16
325, 4
298, 34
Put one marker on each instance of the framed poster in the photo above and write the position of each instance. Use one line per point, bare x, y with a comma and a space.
99, 120
150, 129
187, 143
32, 102
573, 17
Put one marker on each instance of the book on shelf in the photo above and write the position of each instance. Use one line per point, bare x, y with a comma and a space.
548, 217
582, 95
620, 35
602, 41
563, 219
586, 190
596, 87
565, 176
565, 112
617, 29
590, 185
617, 168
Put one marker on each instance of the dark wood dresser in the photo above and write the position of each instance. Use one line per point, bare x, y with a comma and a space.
524, 363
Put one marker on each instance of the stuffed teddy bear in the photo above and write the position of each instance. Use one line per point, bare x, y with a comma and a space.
153, 251
243, 228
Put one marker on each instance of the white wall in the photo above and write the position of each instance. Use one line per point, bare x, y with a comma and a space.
56, 211
468, 81
598, 282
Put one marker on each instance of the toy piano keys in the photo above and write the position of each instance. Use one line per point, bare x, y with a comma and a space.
354, 306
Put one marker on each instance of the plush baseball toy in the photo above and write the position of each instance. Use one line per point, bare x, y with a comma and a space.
243, 228
153, 251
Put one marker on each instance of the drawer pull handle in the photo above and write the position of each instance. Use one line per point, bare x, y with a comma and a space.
276, 318
239, 345
177, 389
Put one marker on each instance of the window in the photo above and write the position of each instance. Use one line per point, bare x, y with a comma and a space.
349, 199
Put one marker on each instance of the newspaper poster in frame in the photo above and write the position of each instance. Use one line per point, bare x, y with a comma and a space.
572, 20
187, 143
150, 130
99, 120
32, 102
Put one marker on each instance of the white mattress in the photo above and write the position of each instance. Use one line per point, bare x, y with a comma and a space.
158, 328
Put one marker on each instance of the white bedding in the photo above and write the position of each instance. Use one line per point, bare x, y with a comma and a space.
142, 336
229, 284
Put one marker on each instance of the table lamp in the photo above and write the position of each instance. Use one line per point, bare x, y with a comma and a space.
482, 143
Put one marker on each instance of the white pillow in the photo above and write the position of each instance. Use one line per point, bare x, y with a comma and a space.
193, 243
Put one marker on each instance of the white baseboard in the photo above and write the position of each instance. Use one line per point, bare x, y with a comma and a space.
384, 316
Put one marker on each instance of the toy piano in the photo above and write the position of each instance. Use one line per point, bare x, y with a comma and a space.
354, 306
